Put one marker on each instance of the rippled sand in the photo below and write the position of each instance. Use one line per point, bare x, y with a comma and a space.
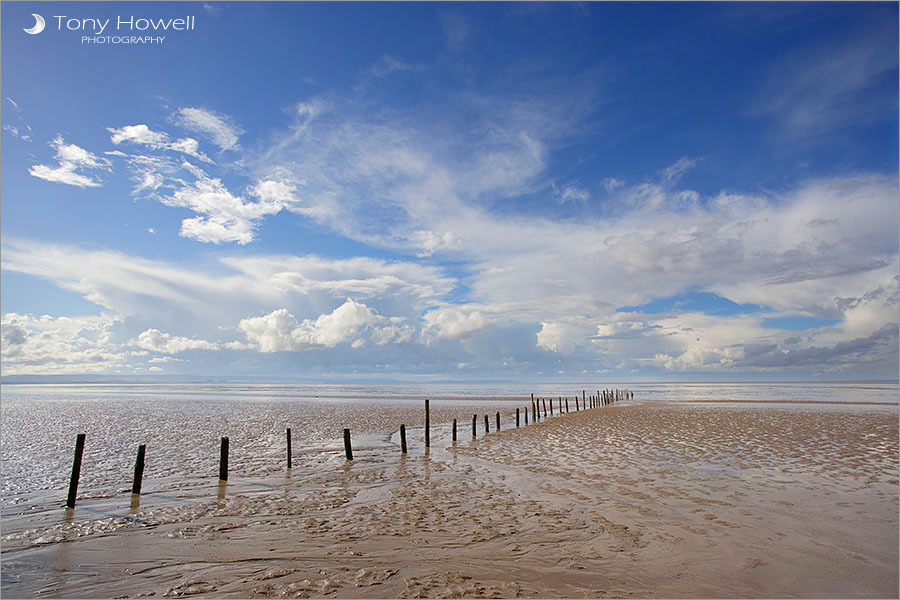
685, 500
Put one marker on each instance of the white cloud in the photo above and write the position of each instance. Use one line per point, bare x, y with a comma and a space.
673, 173
71, 161
387, 64
160, 291
21, 130
225, 217
280, 331
571, 192
156, 341
454, 323
611, 183
820, 89
565, 335
48, 345
222, 130
430, 242
156, 140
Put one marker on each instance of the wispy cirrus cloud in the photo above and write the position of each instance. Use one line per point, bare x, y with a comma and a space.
825, 88
75, 166
21, 129
220, 129
156, 140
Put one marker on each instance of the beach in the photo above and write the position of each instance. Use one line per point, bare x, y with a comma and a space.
649, 499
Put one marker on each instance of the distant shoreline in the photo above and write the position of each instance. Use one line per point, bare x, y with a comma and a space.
201, 379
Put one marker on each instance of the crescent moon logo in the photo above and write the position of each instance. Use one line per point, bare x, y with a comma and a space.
38, 25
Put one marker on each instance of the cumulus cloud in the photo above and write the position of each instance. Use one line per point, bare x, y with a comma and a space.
156, 341
454, 323
73, 162
566, 334
280, 331
49, 345
220, 129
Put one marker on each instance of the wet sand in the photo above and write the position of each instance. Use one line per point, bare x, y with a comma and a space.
654, 500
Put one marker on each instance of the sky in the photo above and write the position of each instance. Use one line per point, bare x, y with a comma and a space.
450, 191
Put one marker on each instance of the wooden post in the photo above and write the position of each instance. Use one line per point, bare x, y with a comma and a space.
567, 405
517, 417
403, 439
138, 470
474, 424
223, 460
551, 407
544, 401
576, 404
526, 415
76, 470
498, 420
487, 425
427, 425
582, 398
288, 434
347, 449
454, 430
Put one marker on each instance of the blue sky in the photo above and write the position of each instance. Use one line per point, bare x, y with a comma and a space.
418, 191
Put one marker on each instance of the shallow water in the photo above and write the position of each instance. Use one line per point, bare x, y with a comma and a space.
337, 509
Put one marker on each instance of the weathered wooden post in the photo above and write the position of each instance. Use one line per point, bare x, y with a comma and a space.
487, 425
576, 404
223, 459
454, 430
526, 415
551, 407
567, 405
544, 402
517, 417
288, 434
138, 470
498, 420
427, 425
402, 439
76, 470
582, 399
474, 425
347, 449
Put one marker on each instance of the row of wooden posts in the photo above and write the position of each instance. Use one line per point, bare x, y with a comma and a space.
603, 398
